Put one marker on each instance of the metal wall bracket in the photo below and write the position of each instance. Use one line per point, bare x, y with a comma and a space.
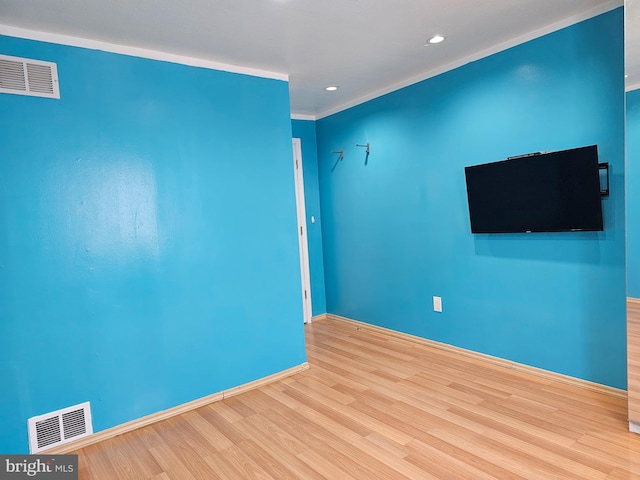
604, 167
368, 145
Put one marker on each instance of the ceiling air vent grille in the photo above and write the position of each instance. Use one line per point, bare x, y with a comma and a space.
23, 76
59, 427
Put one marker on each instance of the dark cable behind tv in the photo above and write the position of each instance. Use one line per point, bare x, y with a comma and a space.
527, 155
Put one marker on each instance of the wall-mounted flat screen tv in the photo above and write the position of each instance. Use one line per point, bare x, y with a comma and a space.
544, 192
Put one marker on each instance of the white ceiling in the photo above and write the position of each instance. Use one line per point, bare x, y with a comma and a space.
367, 47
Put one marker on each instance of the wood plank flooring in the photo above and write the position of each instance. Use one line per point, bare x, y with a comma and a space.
376, 407
633, 357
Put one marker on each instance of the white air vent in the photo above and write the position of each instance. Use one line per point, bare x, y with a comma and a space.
59, 427
24, 76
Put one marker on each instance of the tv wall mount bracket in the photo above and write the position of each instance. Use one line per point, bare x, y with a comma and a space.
604, 189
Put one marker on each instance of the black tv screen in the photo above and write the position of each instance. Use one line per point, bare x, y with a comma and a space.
546, 192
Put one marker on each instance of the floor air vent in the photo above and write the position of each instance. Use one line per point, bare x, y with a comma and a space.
23, 76
59, 427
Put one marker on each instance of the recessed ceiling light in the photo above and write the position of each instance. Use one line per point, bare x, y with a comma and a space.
435, 39
331, 88
626, 75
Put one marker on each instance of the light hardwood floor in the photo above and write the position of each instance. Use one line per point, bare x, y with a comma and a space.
376, 407
633, 357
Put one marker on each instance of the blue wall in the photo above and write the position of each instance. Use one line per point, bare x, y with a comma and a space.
632, 175
396, 226
306, 131
148, 247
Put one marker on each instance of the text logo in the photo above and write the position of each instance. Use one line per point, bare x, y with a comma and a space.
51, 467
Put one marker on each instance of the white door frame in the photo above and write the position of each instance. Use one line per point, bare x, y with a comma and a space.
302, 231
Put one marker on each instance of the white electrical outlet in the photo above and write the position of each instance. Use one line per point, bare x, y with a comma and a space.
437, 304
